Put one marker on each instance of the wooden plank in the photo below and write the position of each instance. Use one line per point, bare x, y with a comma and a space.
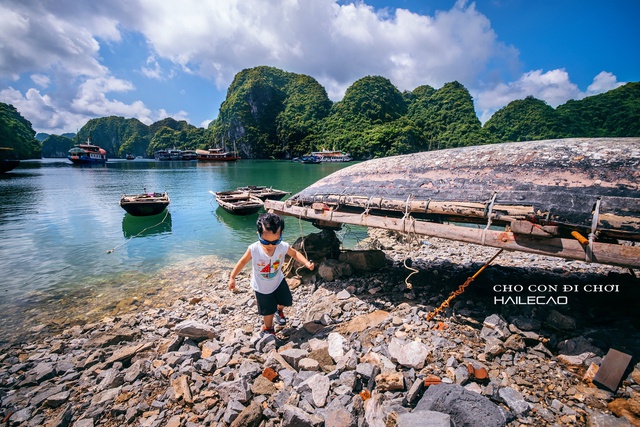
604, 253
612, 369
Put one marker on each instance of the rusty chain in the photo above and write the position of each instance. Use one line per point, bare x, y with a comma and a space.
462, 287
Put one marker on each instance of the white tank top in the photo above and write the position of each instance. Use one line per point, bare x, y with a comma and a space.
267, 270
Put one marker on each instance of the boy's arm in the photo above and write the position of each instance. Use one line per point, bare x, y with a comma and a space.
300, 258
238, 267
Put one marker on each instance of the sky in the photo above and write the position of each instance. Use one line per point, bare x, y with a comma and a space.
64, 62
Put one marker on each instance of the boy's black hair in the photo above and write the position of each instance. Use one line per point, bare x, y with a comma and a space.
271, 222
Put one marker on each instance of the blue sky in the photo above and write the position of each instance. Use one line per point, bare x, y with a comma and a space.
63, 62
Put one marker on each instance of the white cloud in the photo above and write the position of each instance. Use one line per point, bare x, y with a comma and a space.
554, 87
41, 80
337, 44
58, 44
153, 70
603, 82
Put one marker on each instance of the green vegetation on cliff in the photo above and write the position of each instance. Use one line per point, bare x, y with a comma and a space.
526, 120
16, 132
270, 113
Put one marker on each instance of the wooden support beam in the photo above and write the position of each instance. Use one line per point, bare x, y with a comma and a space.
603, 253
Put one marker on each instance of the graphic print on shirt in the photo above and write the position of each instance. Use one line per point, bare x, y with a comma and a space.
269, 271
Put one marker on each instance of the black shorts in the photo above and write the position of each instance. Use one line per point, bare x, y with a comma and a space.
268, 303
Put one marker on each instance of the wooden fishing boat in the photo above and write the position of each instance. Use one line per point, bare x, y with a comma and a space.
216, 155
145, 204
264, 193
238, 202
572, 198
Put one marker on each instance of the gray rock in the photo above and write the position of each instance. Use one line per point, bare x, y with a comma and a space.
495, 326
57, 400
465, 407
424, 419
235, 390
318, 385
193, 329
338, 416
296, 417
249, 369
333, 269
251, 416
599, 419
266, 343
364, 260
411, 355
514, 400
343, 294
293, 356
557, 320
338, 345
232, 410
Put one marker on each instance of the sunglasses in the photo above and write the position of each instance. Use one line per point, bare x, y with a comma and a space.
269, 242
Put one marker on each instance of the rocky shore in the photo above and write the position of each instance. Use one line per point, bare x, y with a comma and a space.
357, 350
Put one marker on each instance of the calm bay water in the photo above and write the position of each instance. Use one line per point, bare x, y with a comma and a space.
59, 222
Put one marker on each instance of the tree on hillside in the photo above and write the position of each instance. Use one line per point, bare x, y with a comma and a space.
16, 133
371, 102
613, 113
446, 116
527, 119
56, 146
112, 132
305, 105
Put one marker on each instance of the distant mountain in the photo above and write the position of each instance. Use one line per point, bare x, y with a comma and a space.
271, 113
57, 145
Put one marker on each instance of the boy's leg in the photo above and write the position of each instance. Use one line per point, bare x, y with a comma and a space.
284, 298
268, 321
266, 307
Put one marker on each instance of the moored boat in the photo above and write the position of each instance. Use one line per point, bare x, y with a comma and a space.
571, 198
7, 160
189, 155
310, 159
145, 204
332, 156
264, 193
238, 202
87, 154
216, 155
174, 154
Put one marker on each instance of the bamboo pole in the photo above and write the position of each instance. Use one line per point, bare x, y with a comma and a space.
603, 253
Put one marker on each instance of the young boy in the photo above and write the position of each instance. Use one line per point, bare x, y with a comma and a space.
267, 280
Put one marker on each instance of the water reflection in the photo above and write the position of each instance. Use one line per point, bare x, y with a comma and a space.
143, 226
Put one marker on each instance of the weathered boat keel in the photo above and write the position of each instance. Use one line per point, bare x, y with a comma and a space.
575, 199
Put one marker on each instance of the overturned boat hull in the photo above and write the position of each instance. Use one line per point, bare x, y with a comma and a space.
573, 198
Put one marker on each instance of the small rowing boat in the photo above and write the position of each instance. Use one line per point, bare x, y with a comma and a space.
145, 204
264, 193
238, 202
